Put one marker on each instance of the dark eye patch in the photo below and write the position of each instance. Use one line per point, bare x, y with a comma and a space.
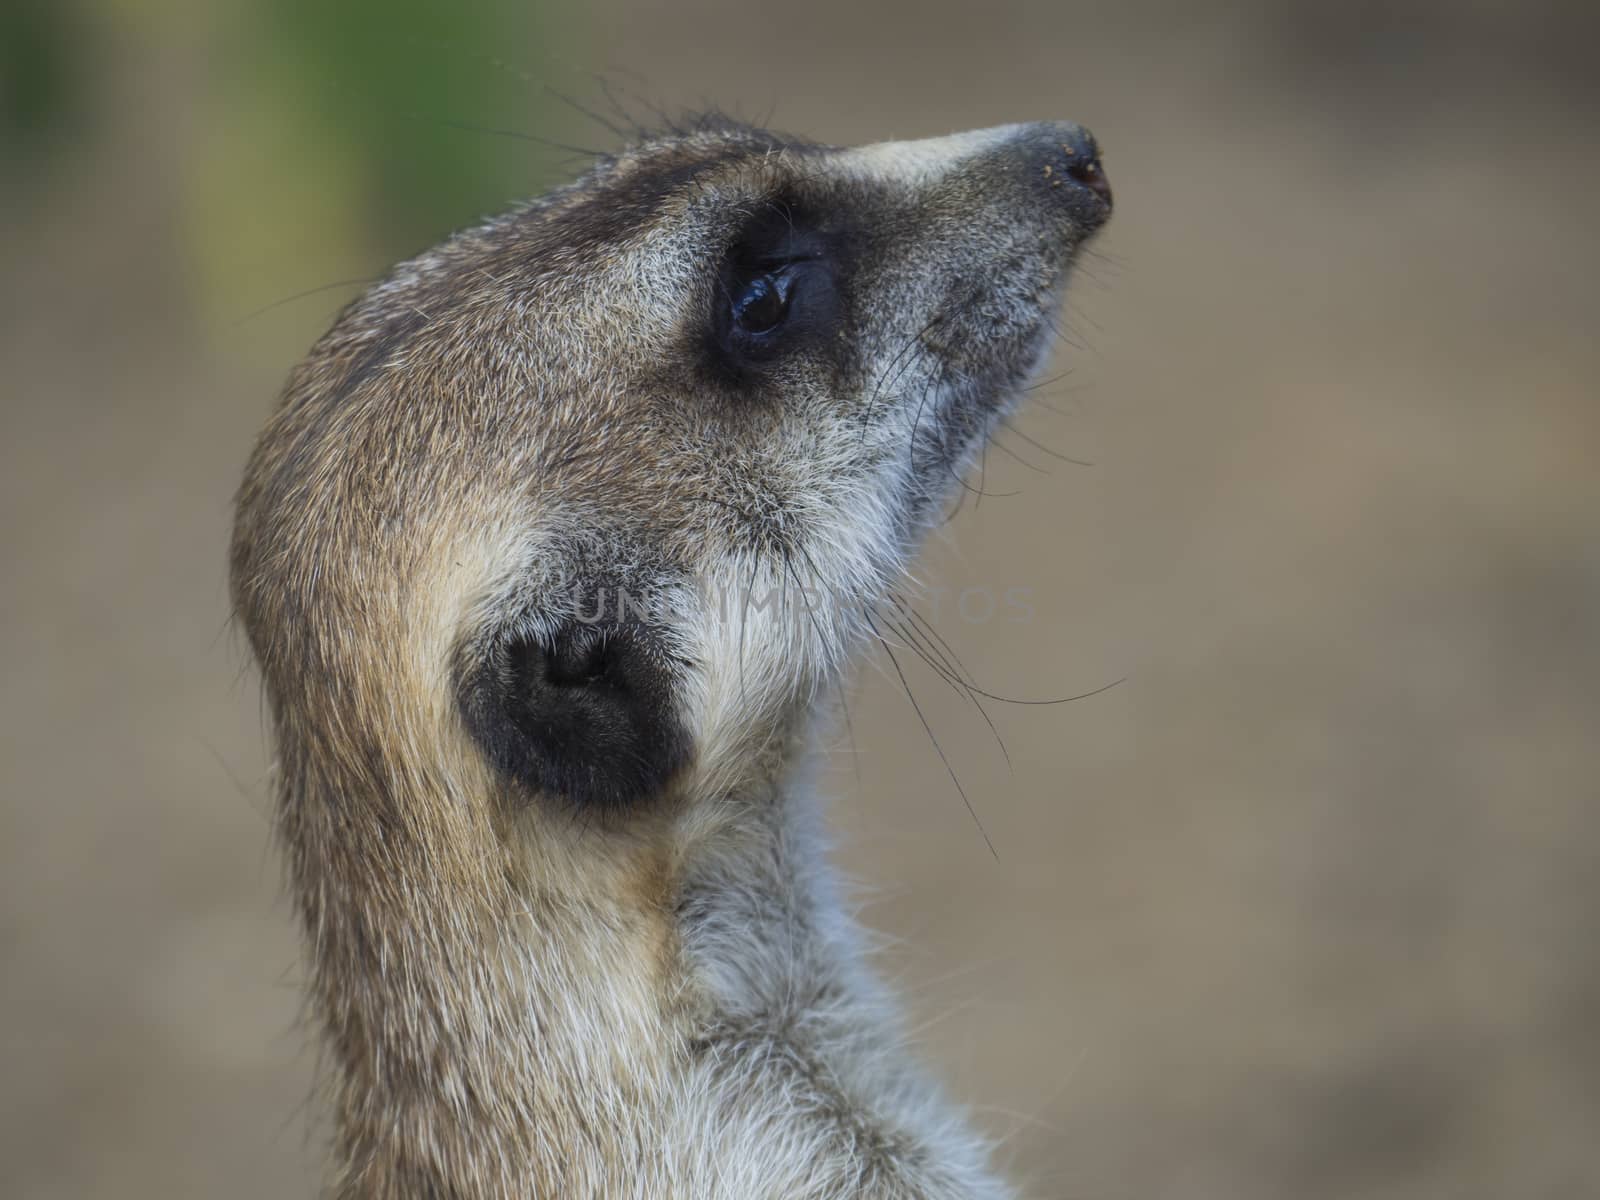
776, 292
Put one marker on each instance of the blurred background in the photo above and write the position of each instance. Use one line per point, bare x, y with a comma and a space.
1308, 906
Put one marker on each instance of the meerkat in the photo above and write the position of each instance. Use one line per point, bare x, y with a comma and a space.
545, 747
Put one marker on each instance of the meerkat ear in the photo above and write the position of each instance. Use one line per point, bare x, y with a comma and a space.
586, 716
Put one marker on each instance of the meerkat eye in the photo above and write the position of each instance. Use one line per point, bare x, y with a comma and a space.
777, 294
763, 304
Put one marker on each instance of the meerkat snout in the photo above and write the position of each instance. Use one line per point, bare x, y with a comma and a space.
586, 511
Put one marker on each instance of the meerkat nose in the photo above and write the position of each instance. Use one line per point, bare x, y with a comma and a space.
1092, 175
1066, 159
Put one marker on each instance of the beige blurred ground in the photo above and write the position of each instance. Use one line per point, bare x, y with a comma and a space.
1309, 906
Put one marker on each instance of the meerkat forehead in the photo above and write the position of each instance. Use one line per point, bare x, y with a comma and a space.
594, 498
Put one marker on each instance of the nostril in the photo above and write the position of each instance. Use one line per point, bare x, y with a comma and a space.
1085, 169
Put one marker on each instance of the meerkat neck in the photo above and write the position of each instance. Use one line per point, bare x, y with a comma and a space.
487, 1031
698, 1019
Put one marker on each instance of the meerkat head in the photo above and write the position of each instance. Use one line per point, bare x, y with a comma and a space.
584, 506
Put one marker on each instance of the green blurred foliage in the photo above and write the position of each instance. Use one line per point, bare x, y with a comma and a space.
394, 82
42, 75
344, 136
